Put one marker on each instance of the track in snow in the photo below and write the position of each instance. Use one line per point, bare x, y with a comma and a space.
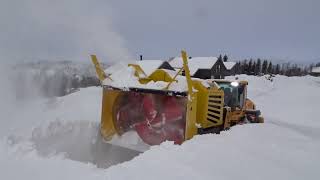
311, 132
78, 141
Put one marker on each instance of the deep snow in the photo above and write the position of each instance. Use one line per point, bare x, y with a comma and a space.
53, 139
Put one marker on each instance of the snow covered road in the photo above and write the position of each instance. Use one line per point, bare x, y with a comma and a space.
41, 140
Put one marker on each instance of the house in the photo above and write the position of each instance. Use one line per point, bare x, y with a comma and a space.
202, 67
231, 68
149, 66
315, 71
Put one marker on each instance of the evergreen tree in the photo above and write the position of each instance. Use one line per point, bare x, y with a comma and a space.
264, 67
277, 70
250, 67
305, 70
220, 58
285, 69
245, 67
258, 66
270, 68
241, 68
225, 58
238, 70
254, 68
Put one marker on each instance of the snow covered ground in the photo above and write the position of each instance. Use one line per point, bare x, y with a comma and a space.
55, 139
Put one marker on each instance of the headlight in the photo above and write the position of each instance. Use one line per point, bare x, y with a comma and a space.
235, 84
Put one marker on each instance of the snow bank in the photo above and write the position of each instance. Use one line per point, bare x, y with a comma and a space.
292, 100
287, 146
235, 154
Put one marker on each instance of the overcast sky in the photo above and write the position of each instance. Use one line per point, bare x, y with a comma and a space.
118, 29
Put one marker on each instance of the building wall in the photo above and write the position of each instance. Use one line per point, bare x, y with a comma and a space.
203, 74
218, 70
232, 71
315, 74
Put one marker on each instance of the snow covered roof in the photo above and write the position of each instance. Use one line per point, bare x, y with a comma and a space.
176, 62
316, 70
229, 65
194, 63
149, 66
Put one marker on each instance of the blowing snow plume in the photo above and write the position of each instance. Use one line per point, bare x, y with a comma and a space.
53, 30
58, 127
59, 30
39, 30
5, 96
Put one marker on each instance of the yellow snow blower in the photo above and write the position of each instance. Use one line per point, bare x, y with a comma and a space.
166, 106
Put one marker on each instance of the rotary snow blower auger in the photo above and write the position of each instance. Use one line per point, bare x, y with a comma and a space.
166, 106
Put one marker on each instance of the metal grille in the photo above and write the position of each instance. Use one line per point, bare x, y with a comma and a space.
215, 107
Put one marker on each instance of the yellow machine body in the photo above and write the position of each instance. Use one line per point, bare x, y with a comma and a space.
235, 115
202, 107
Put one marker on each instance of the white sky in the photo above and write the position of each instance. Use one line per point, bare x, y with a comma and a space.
46, 29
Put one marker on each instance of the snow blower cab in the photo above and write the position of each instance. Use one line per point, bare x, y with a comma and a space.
238, 108
159, 106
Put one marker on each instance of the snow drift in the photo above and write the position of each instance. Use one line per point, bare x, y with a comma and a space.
43, 143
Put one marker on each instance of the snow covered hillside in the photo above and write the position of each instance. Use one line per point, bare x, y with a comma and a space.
55, 139
53, 78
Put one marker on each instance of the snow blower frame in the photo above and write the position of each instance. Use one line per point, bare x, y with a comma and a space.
160, 115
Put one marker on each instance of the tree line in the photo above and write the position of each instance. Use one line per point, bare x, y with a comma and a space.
261, 67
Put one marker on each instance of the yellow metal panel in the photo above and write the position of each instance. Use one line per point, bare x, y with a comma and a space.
160, 75
227, 122
215, 114
213, 109
202, 103
157, 75
249, 104
215, 98
191, 128
216, 95
174, 78
186, 69
108, 128
212, 119
144, 80
244, 82
100, 73
138, 70
217, 92
213, 104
